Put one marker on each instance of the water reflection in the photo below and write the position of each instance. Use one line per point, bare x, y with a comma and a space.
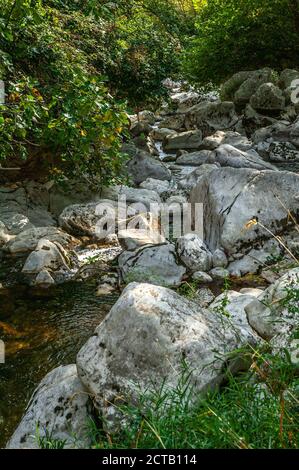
41, 331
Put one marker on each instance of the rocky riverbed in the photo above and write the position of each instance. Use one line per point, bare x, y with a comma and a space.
238, 156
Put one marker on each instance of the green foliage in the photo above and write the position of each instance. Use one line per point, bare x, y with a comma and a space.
245, 414
58, 109
61, 61
234, 35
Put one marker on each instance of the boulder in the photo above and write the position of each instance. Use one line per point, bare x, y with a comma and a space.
226, 155
27, 240
46, 255
287, 76
140, 127
219, 259
146, 196
135, 238
193, 253
268, 97
252, 121
59, 408
211, 116
219, 274
235, 199
196, 158
284, 152
274, 311
143, 166
158, 186
144, 339
160, 134
184, 140
174, 122
250, 85
232, 304
155, 264
235, 139
187, 182
255, 259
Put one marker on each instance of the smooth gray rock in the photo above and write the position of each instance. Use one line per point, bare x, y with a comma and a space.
219, 273
219, 259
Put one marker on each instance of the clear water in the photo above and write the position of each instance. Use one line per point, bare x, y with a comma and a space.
41, 330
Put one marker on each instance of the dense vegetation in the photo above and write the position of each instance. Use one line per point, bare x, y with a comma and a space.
72, 69
61, 60
234, 35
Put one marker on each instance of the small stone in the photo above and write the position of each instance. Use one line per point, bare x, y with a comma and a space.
219, 273
219, 259
200, 276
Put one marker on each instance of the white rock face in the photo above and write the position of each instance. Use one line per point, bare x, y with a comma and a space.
183, 140
143, 340
268, 315
194, 253
155, 264
233, 197
59, 405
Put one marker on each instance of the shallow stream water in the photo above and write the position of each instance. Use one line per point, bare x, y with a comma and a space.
41, 330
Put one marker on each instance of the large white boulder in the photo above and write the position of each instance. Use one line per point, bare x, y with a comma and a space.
144, 341
233, 198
